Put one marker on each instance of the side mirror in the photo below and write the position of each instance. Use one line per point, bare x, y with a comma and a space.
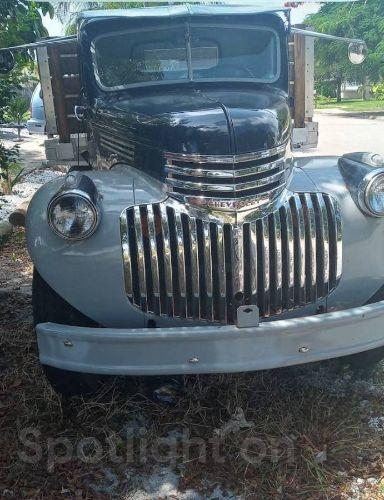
357, 52
7, 61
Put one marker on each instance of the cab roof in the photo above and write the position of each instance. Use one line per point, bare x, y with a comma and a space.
175, 11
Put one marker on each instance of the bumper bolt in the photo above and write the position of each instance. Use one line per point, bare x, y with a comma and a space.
193, 360
304, 349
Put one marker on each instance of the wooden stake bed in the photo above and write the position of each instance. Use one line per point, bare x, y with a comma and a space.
65, 81
302, 79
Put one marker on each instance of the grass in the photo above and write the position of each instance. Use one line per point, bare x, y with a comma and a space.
352, 105
294, 433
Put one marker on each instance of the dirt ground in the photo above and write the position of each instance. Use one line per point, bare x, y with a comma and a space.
312, 432
315, 431
31, 147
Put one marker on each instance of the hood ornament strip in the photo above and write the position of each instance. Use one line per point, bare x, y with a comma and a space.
257, 155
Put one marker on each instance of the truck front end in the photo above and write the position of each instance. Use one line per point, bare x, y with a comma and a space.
195, 242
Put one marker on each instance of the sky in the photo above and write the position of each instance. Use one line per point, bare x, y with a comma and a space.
55, 28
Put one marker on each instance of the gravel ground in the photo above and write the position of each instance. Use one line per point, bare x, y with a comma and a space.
25, 189
32, 160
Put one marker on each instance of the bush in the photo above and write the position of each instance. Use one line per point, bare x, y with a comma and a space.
321, 99
326, 88
378, 91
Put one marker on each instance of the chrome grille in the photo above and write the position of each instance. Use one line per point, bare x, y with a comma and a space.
184, 264
194, 178
113, 144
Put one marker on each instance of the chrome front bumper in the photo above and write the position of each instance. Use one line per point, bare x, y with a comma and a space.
211, 349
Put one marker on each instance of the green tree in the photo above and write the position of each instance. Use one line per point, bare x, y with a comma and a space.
67, 12
16, 112
363, 19
20, 22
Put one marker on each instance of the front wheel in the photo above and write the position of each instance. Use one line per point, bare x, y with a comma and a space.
364, 363
48, 306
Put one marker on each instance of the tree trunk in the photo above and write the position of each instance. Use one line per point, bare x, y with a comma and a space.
338, 89
17, 217
366, 89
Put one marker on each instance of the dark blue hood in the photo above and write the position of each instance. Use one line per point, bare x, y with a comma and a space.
198, 121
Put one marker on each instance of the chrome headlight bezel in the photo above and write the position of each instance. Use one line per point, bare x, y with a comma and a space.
76, 186
363, 192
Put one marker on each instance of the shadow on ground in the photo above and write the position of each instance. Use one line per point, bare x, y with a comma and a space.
367, 115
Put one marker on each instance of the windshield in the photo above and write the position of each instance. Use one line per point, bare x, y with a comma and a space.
193, 52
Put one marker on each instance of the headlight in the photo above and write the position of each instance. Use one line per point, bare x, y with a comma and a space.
371, 193
73, 213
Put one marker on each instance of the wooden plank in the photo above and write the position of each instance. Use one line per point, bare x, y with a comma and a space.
58, 92
299, 90
70, 103
68, 48
291, 74
46, 87
309, 77
69, 64
71, 85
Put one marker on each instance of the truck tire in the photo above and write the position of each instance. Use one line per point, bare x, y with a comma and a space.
48, 306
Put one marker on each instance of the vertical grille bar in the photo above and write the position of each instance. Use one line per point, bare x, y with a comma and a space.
265, 265
238, 264
278, 282
310, 225
253, 262
208, 270
334, 209
299, 251
154, 259
290, 249
126, 255
222, 273
302, 249
325, 239
140, 258
188, 266
167, 260
194, 269
332, 244
228, 256
322, 249
181, 265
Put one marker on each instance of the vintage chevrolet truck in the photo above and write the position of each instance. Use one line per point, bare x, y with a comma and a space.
186, 238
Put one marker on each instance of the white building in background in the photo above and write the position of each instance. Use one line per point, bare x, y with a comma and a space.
351, 90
